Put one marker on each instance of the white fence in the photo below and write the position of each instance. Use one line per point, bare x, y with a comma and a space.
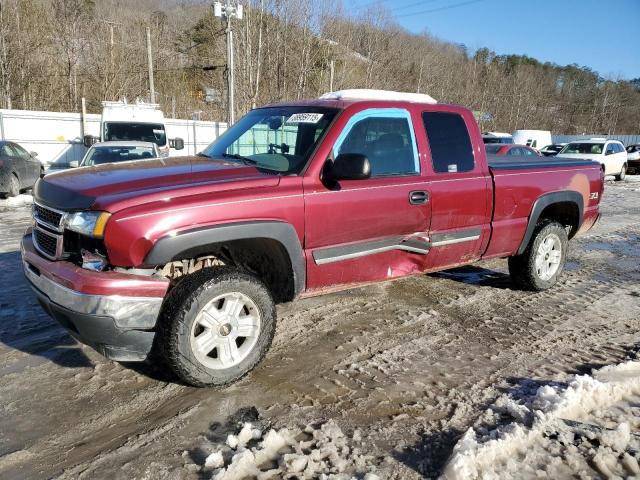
57, 136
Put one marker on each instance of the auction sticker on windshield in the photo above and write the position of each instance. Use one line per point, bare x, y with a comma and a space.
304, 118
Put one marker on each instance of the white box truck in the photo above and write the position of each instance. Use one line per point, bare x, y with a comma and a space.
532, 138
137, 121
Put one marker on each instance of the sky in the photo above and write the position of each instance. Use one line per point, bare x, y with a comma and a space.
601, 34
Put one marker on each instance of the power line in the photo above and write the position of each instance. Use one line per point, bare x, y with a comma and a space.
439, 9
398, 7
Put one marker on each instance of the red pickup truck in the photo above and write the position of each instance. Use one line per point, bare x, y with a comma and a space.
187, 257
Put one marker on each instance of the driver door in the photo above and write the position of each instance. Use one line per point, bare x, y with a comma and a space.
372, 229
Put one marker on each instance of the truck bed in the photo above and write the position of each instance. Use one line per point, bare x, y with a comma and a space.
519, 181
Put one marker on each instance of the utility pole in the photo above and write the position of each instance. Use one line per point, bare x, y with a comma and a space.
152, 89
229, 11
332, 66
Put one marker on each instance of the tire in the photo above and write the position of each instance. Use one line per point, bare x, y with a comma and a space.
14, 186
622, 174
203, 306
538, 268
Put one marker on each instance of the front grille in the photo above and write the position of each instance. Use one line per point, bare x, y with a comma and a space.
47, 243
47, 216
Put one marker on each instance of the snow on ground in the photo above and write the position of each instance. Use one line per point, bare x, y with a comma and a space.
315, 451
588, 428
18, 201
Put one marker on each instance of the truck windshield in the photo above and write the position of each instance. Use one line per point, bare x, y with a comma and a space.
280, 139
132, 131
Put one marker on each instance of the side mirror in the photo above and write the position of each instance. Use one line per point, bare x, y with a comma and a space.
176, 143
350, 166
608, 152
33, 154
73, 164
89, 140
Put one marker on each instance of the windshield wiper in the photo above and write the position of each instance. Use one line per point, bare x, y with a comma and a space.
245, 160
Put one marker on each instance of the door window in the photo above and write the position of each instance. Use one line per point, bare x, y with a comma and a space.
610, 149
449, 140
516, 151
5, 151
20, 152
13, 151
385, 137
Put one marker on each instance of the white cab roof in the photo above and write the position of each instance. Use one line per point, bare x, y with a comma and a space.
132, 112
124, 143
497, 134
370, 94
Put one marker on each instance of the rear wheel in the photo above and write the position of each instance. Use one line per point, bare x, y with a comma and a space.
216, 326
540, 265
623, 173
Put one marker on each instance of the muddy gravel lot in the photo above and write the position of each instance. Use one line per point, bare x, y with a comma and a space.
379, 382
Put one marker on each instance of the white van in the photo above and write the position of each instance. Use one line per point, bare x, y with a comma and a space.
139, 121
532, 138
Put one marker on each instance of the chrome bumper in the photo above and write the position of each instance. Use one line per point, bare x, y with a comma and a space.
126, 312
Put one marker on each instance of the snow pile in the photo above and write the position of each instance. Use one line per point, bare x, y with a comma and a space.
584, 429
18, 201
313, 452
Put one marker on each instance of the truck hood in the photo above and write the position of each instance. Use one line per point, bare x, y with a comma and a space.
115, 186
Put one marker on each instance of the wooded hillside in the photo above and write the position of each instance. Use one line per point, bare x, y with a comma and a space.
53, 52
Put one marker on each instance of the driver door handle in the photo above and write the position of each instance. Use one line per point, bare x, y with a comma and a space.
418, 197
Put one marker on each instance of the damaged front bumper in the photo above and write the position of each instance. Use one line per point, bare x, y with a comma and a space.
115, 313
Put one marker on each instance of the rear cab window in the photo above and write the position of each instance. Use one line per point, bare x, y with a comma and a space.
449, 141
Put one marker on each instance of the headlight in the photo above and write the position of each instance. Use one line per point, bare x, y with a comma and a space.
88, 223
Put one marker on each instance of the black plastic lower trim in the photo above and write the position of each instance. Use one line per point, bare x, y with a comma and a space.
170, 248
544, 201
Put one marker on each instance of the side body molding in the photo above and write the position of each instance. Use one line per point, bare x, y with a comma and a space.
544, 201
169, 248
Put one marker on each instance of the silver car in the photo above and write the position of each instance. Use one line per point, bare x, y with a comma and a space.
120, 151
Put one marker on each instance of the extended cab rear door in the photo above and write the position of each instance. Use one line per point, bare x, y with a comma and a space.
459, 186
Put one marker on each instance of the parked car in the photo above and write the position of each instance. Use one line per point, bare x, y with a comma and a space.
496, 137
552, 150
190, 255
19, 169
633, 158
113, 152
609, 153
532, 138
512, 150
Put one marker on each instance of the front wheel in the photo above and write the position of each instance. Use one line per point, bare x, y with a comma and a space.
623, 173
216, 326
540, 265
